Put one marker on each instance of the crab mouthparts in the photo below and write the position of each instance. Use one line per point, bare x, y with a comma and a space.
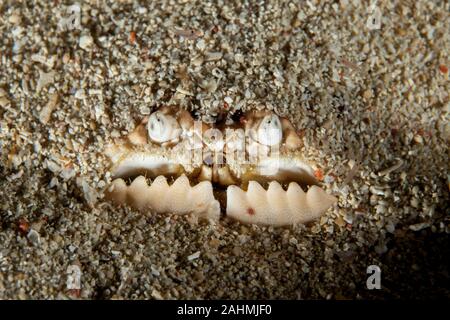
269, 193
252, 170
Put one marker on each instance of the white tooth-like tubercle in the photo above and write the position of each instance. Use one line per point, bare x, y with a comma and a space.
179, 198
237, 204
202, 201
296, 198
257, 202
275, 206
277, 199
117, 191
137, 193
158, 194
318, 200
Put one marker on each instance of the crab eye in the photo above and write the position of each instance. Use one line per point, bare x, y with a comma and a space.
162, 127
269, 131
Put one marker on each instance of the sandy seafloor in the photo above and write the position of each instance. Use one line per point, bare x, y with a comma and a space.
375, 100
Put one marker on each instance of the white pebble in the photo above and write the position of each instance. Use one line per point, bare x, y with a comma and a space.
34, 237
155, 271
194, 256
201, 45
86, 42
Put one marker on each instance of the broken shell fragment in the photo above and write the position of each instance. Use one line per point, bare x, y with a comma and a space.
160, 197
275, 206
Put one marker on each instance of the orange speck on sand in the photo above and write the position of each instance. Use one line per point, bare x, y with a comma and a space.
215, 29
443, 68
24, 226
132, 37
318, 174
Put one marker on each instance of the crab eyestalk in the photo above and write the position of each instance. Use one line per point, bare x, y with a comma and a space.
163, 128
269, 131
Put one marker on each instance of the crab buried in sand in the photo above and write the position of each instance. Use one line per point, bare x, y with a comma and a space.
253, 169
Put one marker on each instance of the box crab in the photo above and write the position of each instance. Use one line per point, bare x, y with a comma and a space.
252, 169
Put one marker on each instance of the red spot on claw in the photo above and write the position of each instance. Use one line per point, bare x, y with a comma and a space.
251, 211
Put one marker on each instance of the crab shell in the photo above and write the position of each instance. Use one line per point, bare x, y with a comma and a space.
187, 168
